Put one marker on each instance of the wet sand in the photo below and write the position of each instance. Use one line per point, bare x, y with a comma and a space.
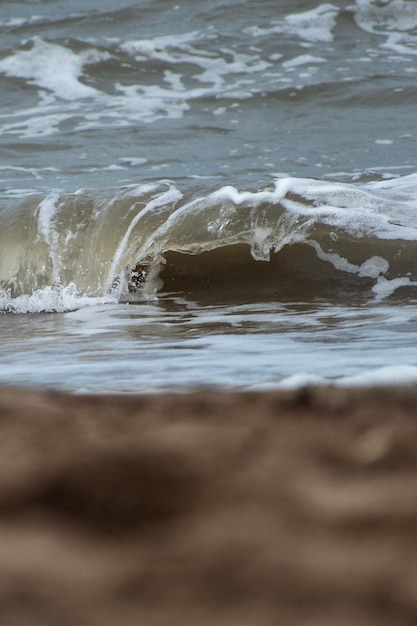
289, 508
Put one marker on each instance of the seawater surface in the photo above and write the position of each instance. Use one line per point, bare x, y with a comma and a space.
211, 193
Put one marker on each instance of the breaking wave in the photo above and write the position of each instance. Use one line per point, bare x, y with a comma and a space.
63, 251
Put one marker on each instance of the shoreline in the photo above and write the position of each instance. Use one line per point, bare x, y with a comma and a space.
210, 507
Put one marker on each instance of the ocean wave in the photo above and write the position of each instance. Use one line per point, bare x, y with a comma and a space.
84, 83
121, 244
53, 67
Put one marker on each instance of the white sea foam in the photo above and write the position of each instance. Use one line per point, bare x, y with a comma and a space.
13, 22
374, 267
377, 209
395, 15
211, 67
53, 67
52, 300
36, 172
395, 20
146, 103
136, 103
45, 213
390, 375
382, 376
30, 124
315, 25
298, 381
303, 59
384, 288
167, 48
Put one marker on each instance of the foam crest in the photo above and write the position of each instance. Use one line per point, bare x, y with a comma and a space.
53, 67
315, 25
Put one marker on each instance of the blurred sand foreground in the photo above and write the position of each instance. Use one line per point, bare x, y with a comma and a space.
281, 508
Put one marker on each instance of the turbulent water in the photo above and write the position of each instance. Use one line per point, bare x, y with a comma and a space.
207, 193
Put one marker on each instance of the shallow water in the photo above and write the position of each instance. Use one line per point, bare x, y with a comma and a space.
215, 193
176, 344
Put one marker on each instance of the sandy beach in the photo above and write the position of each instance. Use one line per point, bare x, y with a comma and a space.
295, 508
